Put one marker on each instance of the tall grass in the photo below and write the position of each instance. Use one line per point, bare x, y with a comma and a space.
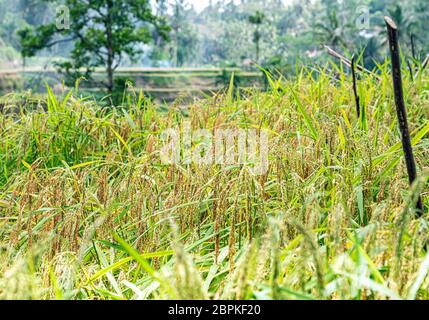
88, 211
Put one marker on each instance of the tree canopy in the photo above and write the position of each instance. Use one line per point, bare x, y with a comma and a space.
225, 33
103, 33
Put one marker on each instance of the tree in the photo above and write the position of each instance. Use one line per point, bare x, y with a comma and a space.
103, 33
18, 14
159, 48
257, 19
161, 8
35, 12
330, 30
185, 39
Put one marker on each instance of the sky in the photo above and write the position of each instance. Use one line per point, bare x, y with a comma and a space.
201, 4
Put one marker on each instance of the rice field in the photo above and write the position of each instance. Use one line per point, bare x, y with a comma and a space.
89, 211
161, 84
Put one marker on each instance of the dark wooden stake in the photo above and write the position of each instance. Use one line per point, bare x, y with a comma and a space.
357, 99
413, 48
392, 31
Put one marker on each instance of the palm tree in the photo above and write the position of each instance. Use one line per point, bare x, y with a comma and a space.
257, 20
330, 31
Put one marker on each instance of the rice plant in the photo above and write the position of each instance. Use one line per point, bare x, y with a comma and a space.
89, 211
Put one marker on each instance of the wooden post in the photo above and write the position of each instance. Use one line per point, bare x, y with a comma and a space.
357, 100
413, 48
392, 31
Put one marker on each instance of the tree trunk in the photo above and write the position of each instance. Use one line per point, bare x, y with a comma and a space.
110, 53
257, 43
176, 47
257, 51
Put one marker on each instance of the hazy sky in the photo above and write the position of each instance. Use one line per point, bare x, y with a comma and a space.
201, 4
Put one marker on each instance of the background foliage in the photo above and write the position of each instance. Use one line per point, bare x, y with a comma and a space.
223, 35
